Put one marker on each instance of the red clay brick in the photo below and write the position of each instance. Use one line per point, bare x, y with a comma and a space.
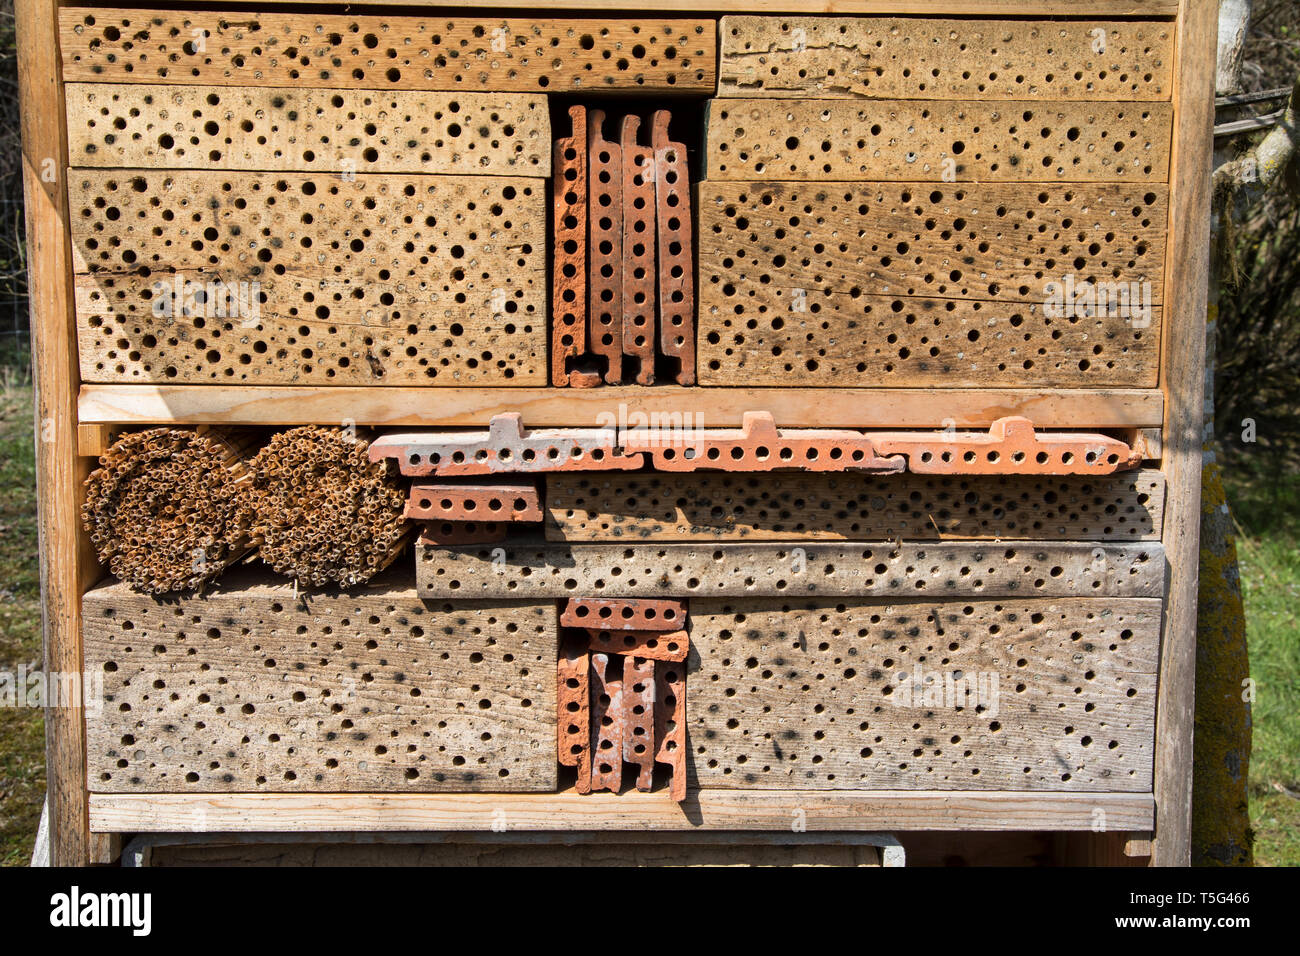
452, 502
605, 252
759, 446
638, 252
574, 711
656, 645
639, 718
676, 257
1009, 447
670, 723
607, 719
569, 282
505, 448
450, 533
624, 614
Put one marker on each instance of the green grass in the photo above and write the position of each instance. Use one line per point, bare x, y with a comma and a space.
22, 729
1266, 506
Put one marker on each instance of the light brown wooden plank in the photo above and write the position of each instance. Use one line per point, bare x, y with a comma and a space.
969, 8
344, 132
1183, 372
474, 52
250, 687
796, 506
949, 142
525, 569
909, 408
66, 558
368, 280
947, 59
824, 696
869, 341
702, 810
773, 248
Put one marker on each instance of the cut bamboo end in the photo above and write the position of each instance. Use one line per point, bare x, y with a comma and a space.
163, 508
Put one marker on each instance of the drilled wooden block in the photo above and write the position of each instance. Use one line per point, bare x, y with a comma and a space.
639, 719
833, 339
654, 645
448, 501
389, 52
532, 570
251, 688
607, 723
191, 277
605, 248
345, 132
767, 248
639, 239
624, 614
673, 225
963, 141
569, 248
957, 695
946, 59
574, 710
670, 724
908, 507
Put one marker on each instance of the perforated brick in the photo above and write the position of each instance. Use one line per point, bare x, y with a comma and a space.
453, 502
605, 253
639, 277
639, 718
624, 614
607, 723
670, 723
676, 259
569, 249
656, 645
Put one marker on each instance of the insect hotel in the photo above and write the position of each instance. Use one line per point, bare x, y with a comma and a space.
727, 432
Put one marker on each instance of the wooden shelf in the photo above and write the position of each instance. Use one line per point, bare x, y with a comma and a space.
437, 407
702, 810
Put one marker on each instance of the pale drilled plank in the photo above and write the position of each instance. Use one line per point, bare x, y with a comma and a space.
473, 52
958, 141
522, 569
369, 280
795, 506
249, 687
335, 131
819, 695
702, 810
947, 59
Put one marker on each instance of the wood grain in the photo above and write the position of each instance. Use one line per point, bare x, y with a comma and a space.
947, 59
387, 52
796, 506
336, 131
254, 687
821, 695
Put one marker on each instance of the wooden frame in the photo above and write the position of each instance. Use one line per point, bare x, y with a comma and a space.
83, 826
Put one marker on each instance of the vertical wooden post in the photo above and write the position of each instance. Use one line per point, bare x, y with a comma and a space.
55, 372
1187, 277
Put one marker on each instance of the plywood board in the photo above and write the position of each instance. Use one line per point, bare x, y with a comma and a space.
862, 695
797, 506
345, 132
242, 278
253, 688
947, 59
949, 142
524, 569
473, 52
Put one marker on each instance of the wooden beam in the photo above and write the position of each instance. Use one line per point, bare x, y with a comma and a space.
437, 407
702, 810
1187, 270
974, 8
63, 550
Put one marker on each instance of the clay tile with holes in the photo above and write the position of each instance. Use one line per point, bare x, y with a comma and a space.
676, 260
759, 446
656, 645
670, 723
639, 718
569, 285
452, 502
451, 533
607, 719
638, 252
605, 252
505, 448
573, 701
1009, 447
624, 614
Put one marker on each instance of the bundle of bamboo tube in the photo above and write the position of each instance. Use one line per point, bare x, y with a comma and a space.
324, 513
163, 507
